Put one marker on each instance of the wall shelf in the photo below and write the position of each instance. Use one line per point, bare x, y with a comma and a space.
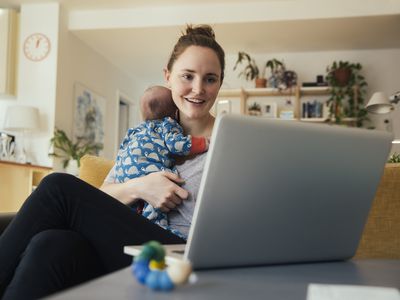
297, 92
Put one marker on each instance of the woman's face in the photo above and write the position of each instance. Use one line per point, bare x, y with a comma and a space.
194, 80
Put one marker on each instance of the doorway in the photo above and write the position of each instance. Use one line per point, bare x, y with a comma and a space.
127, 117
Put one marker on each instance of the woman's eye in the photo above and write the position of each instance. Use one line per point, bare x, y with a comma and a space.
211, 80
187, 76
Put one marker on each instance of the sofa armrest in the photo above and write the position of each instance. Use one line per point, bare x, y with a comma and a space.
5, 219
381, 237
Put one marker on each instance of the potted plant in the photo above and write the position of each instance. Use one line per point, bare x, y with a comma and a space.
251, 70
277, 72
71, 151
254, 109
347, 92
394, 158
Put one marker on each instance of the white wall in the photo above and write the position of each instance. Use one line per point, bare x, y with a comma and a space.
49, 84
79, 63
37, 80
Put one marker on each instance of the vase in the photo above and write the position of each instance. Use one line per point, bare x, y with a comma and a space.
72, 167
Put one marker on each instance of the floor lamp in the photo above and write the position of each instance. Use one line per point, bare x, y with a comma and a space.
21, 120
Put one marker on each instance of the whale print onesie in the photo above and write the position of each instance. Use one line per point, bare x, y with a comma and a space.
149, 148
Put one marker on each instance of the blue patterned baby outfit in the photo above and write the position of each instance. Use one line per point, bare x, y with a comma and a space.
147, 148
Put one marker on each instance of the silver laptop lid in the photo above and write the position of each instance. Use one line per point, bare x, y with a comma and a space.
280, 191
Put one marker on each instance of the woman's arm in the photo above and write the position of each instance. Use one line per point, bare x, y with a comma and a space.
160, 189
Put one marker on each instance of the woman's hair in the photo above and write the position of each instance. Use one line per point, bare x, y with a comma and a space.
202, 35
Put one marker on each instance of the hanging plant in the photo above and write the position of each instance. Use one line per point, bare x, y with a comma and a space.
347, 92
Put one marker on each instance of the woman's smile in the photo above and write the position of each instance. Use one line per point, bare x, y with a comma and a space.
196, 101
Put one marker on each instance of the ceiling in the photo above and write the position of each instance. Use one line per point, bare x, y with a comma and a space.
147, 49
142, 50
118, 4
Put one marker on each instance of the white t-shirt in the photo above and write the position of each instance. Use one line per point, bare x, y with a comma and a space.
191, 171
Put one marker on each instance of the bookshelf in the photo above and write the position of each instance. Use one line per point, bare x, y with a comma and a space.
297, 93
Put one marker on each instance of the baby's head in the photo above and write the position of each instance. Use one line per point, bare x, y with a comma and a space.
157, 103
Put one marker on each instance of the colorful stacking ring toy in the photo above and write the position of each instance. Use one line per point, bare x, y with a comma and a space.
150, 269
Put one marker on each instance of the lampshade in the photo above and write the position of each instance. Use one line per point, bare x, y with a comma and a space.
379, 104
20, 118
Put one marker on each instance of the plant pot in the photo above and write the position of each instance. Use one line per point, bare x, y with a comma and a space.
72, 167
254, 112
342, 76
261, 82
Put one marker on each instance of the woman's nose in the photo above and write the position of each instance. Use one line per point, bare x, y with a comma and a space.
198, 87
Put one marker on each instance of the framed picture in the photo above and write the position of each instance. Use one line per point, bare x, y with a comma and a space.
269, 110
224, 107
90, 111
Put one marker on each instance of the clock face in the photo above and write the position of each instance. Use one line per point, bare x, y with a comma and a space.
37, 47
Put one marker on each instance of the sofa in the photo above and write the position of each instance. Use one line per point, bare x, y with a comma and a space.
381, 236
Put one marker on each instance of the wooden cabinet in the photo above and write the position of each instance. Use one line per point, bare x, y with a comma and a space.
17, 181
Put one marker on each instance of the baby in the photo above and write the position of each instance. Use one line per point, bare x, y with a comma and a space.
149, 147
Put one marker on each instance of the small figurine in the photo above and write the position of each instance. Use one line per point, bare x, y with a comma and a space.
150, 269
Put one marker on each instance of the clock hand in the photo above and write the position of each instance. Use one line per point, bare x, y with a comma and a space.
38, 42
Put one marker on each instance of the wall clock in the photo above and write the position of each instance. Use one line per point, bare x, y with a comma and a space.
36, 47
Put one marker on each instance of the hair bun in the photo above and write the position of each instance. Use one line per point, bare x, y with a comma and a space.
205, 30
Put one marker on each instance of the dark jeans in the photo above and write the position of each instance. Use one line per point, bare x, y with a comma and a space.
68, 232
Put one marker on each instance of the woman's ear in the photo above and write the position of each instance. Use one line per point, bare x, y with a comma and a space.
167, 75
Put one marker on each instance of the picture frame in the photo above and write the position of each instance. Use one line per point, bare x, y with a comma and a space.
89, 115
224, 106
269, 110
286, 114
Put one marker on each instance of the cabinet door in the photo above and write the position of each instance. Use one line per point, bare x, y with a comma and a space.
17, 181
15, 186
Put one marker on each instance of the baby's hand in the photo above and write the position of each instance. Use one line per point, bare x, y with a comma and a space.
208, 138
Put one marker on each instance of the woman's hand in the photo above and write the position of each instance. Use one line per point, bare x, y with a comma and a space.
159, 189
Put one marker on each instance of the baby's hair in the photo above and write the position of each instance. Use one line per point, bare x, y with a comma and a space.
202, 35
157, 106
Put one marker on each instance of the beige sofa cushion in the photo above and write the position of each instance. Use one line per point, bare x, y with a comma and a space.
94, 169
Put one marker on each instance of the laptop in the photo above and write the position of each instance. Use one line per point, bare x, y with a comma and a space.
275, 192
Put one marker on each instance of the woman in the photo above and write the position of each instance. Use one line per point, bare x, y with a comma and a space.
68, 232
